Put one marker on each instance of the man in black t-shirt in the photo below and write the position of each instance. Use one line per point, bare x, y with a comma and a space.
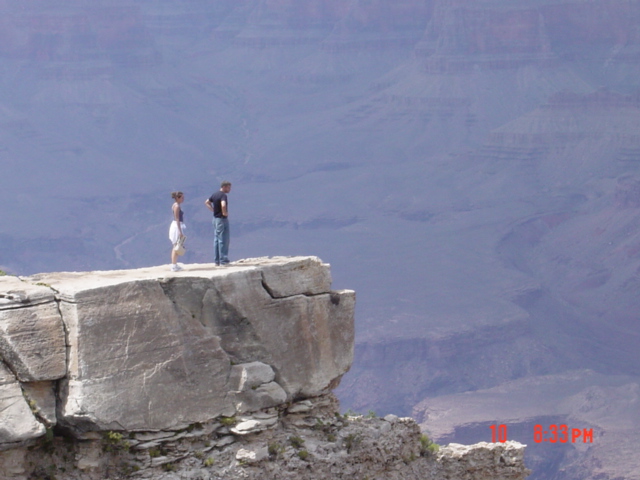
218, 204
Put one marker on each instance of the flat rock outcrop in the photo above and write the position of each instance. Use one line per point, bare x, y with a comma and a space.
150, 350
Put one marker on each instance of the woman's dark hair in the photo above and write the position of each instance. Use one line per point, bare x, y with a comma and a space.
176, 195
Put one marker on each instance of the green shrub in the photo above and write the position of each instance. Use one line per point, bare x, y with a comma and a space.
113, 441
113, 437
410, 458
127, 469
154, 452
275, 449
303, 455
194, 426
228, 421
296, 442
351, 441
427, 447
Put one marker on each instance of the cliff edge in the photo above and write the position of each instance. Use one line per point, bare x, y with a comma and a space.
206, 373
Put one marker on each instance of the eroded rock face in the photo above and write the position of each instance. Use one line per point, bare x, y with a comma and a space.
18, 422
32, 337
302, 336
151, 350
254, 387
32, 356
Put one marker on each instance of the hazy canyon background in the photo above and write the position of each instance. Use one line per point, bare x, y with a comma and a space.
470, 168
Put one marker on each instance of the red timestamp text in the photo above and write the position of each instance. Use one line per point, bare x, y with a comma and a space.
498, 433
553, 434
562, 434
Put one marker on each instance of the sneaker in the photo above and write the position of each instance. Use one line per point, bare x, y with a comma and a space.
175, 267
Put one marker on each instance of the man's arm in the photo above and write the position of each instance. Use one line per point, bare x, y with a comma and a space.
223, 205
208, 204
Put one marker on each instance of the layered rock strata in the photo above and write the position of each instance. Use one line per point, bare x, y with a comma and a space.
298, 441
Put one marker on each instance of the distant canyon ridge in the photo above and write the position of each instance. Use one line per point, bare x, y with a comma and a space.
470, 168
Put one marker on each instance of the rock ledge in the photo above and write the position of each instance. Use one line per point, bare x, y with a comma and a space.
150, 350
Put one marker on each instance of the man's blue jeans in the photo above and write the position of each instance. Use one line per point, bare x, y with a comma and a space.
221, 240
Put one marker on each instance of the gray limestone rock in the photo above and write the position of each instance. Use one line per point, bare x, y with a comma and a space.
149, 350
32, 340
255, 423
17, 293
252, 455
304, 406
13, 464
88, 456
136, 362
306, 338
250, 375
226, 440
18, 422
254, 387
42, 399
455, 460
265, 396
302, 275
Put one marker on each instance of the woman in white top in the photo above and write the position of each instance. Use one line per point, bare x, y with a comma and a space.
176, 228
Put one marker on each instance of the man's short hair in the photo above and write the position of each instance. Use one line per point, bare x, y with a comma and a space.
225, 184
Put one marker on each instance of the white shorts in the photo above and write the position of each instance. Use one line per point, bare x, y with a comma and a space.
174, 233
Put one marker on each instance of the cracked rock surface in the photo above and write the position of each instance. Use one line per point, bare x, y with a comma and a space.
150, 350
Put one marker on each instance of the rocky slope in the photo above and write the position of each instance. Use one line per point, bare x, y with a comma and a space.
308, 439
